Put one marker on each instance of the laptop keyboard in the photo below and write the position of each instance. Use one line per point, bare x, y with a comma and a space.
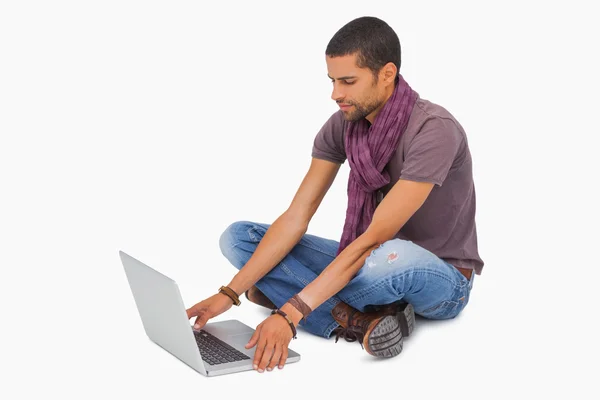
215, 351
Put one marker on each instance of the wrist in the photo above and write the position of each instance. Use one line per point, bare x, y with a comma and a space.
292, 312
233, 286
224, 295
227, 291
288, 319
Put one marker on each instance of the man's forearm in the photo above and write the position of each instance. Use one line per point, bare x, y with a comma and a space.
279, 240
336, 276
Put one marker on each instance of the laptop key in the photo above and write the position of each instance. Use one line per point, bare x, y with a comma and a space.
215, 351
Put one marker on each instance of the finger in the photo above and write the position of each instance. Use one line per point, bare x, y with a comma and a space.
275, 358
266, 357
284, 356
258, 354
194, 310
254, 338
201, 320
191, 312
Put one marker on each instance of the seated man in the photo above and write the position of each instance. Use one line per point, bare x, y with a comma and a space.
409, 242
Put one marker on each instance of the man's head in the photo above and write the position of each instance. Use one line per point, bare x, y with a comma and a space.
363, 60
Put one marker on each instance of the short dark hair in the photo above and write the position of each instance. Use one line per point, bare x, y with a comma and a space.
373, 39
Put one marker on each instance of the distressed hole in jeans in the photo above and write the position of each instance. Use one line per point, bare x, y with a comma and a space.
393, 256
389, 259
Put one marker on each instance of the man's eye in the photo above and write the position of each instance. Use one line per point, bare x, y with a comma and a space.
349, 83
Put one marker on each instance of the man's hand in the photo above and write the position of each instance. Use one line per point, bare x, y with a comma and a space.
273, 336
209, 308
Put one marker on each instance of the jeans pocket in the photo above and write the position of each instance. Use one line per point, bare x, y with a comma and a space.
444, 310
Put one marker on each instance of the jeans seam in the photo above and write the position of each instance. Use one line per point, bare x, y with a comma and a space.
288, 271
315, 248
236, 244
285, 268
435, 309
330, 328
361, 294
307, 245
302, 280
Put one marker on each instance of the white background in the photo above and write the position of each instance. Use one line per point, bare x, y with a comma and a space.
149, 127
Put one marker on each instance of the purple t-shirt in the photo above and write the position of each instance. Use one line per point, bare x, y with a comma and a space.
432, 149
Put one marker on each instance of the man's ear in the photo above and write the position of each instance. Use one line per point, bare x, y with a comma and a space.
388, 73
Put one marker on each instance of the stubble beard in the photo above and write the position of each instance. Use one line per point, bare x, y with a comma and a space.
361, 110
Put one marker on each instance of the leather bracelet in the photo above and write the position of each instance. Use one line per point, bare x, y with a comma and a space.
300, 305
227, 291
288, 319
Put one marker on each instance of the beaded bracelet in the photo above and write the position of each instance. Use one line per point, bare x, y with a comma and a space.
284, 315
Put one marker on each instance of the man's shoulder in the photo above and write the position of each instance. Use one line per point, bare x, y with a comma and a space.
426, 112
425, 109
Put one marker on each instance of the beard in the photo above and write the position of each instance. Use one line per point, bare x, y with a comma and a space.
360, 111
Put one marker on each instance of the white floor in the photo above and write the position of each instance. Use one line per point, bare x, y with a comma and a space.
86, 340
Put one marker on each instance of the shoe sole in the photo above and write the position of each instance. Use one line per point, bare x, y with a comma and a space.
386, 339
406, 318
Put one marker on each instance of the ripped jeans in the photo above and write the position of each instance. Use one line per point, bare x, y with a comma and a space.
398, 269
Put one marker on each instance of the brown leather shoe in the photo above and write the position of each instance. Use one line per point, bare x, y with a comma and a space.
404, 312
257, 297
378, 332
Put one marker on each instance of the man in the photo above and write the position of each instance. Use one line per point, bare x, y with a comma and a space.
409, 241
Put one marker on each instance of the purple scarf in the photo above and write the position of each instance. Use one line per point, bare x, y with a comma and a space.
369, 149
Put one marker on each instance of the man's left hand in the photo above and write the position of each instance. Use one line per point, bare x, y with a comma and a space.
272, 337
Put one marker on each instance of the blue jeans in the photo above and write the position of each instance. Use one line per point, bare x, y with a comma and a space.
398, 269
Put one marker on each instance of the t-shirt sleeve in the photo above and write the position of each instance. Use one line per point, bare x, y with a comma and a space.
432, 152
329, 141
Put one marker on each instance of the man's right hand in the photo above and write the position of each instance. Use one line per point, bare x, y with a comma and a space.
209, 308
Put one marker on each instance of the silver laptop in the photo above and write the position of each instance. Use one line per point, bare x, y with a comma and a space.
216, 349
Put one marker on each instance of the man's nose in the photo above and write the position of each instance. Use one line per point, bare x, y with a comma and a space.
336, 94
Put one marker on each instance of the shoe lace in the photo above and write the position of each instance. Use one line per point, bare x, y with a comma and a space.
352, 333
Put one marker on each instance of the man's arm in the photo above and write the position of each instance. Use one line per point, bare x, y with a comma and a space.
288, 229
405, 198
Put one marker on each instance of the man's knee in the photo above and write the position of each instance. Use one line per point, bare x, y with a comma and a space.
392, 253
230, 236
238, 232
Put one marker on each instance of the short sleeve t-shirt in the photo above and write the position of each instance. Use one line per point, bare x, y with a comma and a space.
434, 149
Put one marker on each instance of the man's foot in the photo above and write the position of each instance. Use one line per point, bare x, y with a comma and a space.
404, 312
257, 297
379, 333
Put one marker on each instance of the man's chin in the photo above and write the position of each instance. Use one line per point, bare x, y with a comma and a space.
351, 117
